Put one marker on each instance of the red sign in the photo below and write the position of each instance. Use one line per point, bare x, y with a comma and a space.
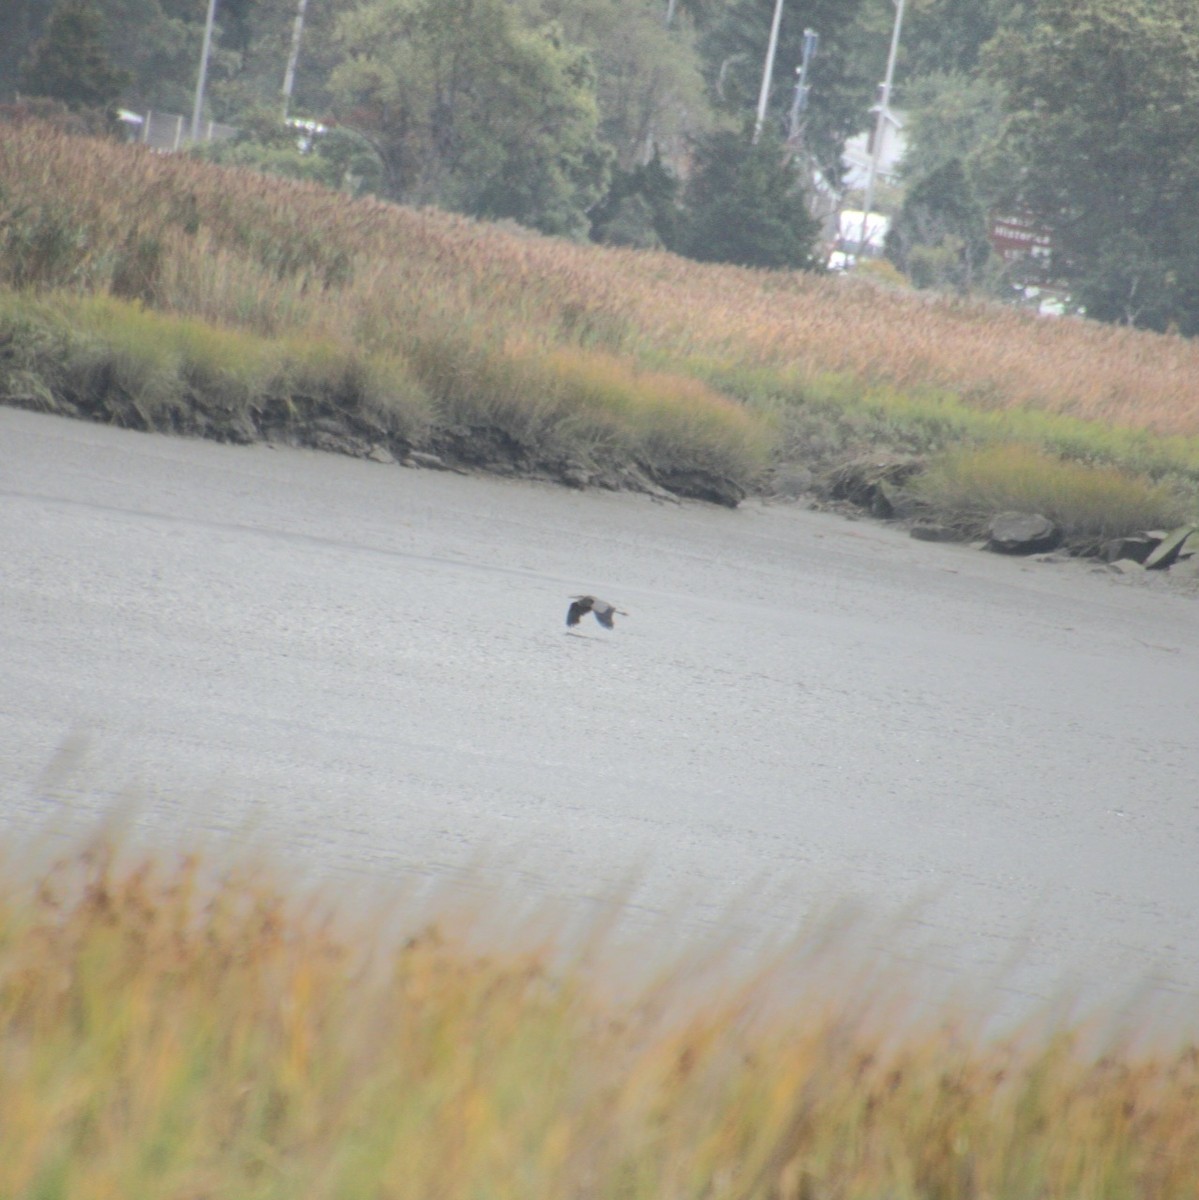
1018, 236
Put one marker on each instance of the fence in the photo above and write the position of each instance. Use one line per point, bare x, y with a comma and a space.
169, 131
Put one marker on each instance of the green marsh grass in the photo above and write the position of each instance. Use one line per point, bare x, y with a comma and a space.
819, 366
177, 1030
1087, 502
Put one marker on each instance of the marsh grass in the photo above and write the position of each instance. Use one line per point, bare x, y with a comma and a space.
172, 1029
816, 367
1087, 502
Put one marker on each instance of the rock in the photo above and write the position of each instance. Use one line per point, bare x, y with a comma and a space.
1126, 566
1022, 533
381, 454
873, 481
791, 481
421, 458
701, 485
338, 443
238, 428
933, 531
636, 480
1185, 573
575, 476
1168, 549
1137, 547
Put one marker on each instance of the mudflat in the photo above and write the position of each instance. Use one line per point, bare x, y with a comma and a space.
366, 671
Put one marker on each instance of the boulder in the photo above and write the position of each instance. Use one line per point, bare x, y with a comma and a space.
1168, 549
576, 476
700, 485
874, 481
791, 481
1022, 533
1137, 547
422, 458
934, 531
1126, 566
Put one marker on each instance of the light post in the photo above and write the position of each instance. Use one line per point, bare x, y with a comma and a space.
799, 104
884, 110
768, 68
203, 75
289, 76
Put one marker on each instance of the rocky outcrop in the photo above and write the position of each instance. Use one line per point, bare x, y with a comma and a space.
1022, 533
878, 482
1167, 551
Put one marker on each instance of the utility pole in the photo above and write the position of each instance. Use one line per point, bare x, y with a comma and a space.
799, 104
768, 68
884, 111
198, 107
289, 76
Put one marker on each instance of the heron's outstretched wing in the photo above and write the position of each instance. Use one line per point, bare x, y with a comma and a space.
604, 614
576, 611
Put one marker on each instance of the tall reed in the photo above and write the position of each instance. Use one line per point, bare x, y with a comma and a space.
173, 1030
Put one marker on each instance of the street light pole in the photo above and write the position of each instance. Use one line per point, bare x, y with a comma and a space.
768, 68
289, 76
203, 75
884, 109
799, 103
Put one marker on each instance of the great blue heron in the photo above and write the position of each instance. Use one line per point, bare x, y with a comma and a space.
603, 611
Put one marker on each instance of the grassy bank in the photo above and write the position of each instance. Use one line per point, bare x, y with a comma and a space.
171, 1031
170, 288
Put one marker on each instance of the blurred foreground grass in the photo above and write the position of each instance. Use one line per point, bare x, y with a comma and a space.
170, 1030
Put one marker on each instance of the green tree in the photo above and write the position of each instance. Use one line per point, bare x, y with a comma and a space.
649, 78
843, 75
70, 62
471, 109
158, 43
744, 205
942, 36
1104, 124
952, 115
21, 24
641, 208
939, 236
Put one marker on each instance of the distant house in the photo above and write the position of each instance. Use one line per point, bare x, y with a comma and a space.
859, 151
858, 234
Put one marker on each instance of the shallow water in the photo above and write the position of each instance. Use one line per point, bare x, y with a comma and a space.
365, 670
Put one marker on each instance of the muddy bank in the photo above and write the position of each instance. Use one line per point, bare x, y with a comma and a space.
367, 670
874, 485
310, 423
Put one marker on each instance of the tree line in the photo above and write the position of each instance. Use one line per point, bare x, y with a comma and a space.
632, 121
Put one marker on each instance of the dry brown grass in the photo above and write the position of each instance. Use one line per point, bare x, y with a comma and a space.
171, 1031
272, 253
569, 349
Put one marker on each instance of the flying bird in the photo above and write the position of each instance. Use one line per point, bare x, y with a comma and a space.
603, 611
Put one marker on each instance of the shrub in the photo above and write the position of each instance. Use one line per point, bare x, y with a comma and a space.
1087, 502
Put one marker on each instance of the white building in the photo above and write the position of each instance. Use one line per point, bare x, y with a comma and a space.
856, 156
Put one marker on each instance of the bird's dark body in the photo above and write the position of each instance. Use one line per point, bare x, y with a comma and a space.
600, 609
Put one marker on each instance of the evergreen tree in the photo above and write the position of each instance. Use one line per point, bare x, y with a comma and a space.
70, 63
744, 205
939, 237
641, 208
